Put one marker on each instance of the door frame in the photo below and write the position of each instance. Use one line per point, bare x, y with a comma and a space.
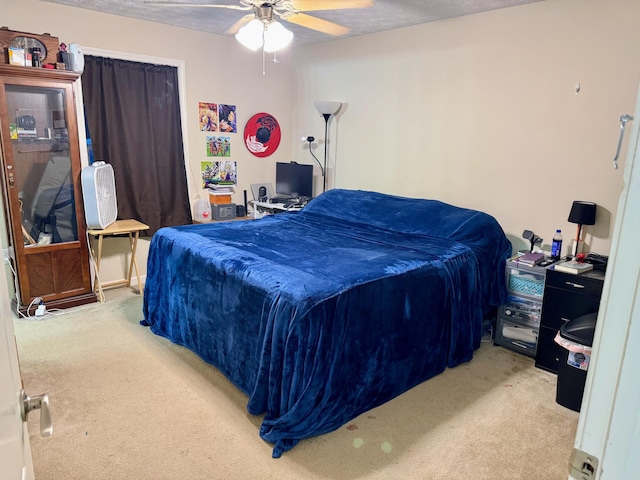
609, 423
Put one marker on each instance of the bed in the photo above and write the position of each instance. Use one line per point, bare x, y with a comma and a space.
320, 315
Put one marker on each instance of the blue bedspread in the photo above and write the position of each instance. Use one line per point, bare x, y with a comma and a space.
321, 315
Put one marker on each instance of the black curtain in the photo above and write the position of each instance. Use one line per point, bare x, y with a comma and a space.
133, 115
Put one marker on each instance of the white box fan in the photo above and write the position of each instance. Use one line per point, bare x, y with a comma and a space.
99, 194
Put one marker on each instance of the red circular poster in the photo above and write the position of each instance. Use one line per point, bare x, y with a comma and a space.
262, 134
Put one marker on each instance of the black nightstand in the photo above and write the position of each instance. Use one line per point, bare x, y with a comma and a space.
566, 297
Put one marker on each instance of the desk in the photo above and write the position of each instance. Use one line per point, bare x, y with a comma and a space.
120, 227
269, 208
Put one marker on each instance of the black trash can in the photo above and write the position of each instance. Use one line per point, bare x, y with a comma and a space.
574, 360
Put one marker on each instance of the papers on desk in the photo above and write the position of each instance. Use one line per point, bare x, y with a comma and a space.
260, 209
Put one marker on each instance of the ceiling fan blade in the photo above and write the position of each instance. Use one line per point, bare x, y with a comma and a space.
317, 24
206, 5
233, 29
311, 5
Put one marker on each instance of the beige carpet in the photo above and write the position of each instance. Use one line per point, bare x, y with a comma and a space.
127, 404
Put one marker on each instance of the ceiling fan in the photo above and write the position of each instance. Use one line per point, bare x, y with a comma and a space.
291, 11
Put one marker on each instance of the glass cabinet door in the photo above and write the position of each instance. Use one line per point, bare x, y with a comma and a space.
42, 173
42, 191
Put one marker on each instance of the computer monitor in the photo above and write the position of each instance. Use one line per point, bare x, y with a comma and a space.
294, 178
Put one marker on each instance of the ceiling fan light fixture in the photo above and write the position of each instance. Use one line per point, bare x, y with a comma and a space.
251, 35
276, 37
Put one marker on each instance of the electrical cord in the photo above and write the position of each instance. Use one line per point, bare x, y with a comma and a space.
15, 275
54, 312
598, 261
310, 140
36, 301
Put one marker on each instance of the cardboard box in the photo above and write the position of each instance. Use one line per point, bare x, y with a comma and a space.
219, 199
16, 56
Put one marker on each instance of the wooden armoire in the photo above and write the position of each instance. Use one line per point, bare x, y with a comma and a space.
43, 207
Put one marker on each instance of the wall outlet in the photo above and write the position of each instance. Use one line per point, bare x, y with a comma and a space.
5, 255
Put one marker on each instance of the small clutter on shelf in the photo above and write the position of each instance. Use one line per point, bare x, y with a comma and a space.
39, 51
573, 266
530, 259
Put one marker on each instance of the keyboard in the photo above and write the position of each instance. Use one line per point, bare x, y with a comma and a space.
279, 199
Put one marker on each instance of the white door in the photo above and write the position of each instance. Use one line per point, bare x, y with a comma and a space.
609, 426
15, 452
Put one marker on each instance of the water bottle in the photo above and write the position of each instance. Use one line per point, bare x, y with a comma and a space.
556, 245
36, 57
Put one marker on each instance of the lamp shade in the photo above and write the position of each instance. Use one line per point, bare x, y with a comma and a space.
583, 213
251, 35
276, 37
326, 107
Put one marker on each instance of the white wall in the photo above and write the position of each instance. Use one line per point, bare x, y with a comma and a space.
217, 70
481, 111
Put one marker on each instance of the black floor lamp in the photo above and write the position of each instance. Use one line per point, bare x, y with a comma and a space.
326, 109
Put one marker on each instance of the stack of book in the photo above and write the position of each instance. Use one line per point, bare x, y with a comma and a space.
530, 259
221, 187
571, 266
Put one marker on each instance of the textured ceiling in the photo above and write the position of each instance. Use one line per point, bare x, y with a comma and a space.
384, 15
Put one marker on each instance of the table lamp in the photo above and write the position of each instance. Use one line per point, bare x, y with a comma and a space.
582, 213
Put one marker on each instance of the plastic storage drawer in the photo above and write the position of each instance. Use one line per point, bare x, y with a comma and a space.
525, 280
515, 336
523, 310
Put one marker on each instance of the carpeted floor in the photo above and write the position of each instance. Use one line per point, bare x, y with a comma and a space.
127, 404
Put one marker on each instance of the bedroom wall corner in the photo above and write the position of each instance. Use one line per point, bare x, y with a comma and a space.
513, 111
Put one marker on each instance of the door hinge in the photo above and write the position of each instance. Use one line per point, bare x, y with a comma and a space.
583, 466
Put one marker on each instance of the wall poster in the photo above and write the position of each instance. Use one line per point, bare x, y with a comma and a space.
219, 173
218, 146
208, 117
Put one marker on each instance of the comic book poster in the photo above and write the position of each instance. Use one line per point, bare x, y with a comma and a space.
219, 173
227, 118
218, 146
208, 117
